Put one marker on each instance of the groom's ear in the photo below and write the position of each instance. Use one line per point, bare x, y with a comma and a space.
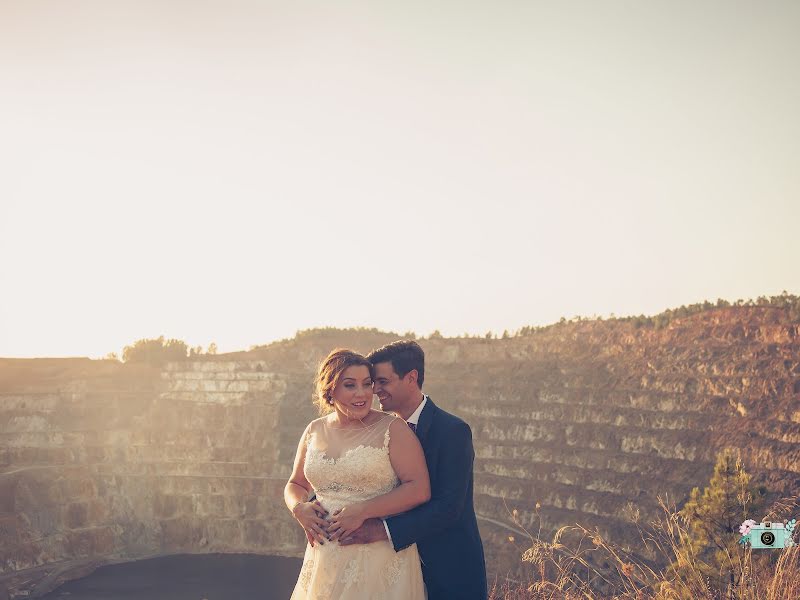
412, 376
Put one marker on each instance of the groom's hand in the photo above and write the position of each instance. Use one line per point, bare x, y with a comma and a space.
372, 530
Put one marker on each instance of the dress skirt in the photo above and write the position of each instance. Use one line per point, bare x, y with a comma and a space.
360, 572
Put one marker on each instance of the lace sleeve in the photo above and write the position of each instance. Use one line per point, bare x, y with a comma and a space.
307, 434
388, 429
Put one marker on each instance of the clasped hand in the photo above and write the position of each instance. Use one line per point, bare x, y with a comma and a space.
311, 517
346, 520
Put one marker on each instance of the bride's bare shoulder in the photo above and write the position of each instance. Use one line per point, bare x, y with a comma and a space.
320, 421
315, 425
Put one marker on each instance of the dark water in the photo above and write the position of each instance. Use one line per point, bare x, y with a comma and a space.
188, 577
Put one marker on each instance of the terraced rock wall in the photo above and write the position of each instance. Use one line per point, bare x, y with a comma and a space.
115, 466
591, 421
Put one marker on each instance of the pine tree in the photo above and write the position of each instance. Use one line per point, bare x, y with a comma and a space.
713, 517
155, 352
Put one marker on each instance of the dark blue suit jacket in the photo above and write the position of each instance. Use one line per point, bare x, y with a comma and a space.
445, 528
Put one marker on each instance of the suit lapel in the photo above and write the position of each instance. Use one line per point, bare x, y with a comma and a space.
425, 420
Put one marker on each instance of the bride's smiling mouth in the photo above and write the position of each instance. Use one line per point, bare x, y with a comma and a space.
359, 404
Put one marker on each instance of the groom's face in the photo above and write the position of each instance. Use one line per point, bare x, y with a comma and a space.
388, 387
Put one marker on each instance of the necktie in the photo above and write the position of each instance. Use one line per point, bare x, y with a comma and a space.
413, 427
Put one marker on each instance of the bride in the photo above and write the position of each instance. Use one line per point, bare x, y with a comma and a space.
360, 463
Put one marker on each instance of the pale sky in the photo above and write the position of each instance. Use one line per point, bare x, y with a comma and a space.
234, 171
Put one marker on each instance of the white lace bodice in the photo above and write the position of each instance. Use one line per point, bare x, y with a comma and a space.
346, 466
349, 465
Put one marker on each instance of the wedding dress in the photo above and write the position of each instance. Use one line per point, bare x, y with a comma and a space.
344, 466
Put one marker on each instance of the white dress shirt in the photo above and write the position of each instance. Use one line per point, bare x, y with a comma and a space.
414, 418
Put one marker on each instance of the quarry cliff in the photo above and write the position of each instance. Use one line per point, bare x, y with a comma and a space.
102, 461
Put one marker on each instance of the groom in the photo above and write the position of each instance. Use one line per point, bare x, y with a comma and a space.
444, 529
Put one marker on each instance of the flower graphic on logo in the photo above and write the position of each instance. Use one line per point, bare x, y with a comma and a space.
745, 527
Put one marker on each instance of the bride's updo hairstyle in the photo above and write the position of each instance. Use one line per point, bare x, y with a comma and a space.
330, 372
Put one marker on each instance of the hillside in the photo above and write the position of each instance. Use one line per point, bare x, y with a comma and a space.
103, 461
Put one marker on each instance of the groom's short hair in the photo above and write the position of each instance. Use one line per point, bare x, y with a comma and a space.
405, 356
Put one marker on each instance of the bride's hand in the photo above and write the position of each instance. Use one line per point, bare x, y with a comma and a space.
309, 515
346, 520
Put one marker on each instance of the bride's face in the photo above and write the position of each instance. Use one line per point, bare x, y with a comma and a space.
352, 396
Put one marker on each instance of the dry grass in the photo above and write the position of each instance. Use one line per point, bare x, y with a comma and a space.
561, 570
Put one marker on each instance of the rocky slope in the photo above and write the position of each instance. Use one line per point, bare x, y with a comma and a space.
101, 461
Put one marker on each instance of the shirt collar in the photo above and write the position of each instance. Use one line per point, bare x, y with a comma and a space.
414, 418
